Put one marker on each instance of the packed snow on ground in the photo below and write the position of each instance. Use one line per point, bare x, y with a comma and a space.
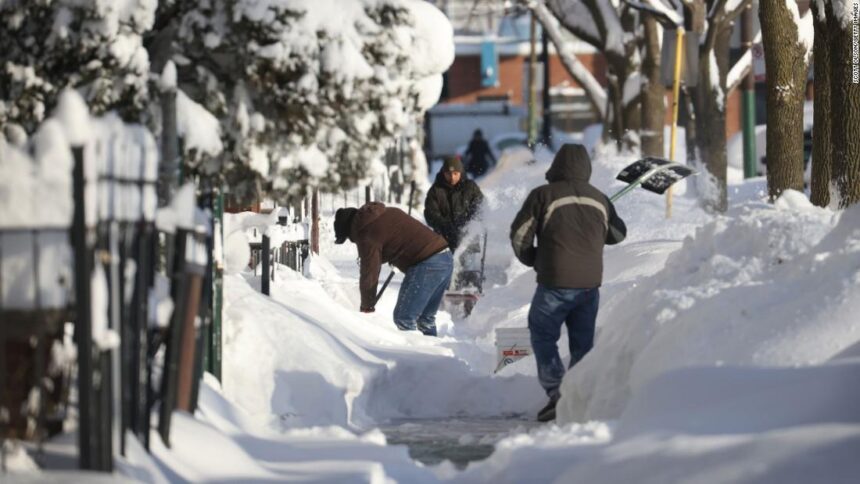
727, 351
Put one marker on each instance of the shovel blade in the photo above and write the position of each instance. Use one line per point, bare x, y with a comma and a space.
670, 173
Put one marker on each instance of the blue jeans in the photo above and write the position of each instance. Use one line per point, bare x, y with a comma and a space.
577, 308
421, 293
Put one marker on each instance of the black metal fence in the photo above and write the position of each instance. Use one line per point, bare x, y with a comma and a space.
98, 273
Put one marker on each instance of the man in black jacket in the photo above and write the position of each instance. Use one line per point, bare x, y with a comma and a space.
452, 202
572, 221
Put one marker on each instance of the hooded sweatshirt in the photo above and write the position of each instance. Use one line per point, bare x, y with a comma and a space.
387, 234
572, 221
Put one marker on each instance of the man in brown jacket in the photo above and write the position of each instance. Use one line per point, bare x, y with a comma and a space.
572, 221
388, 235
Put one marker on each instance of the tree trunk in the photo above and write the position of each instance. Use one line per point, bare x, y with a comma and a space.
585, 78
845, 101
711, 118
822, 149
624, 118
688, 110
631, 86
786, 64
653, 110
614, 123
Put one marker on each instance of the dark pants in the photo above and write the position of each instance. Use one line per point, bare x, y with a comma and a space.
552, 307
421, 293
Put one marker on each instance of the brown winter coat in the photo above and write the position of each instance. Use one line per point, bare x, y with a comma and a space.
572, 220
388, 235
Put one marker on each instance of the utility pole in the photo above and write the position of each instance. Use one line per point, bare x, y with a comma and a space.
676, 91
748, 93
546, 128
532, 117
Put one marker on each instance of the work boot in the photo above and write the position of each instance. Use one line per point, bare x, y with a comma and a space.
547, 413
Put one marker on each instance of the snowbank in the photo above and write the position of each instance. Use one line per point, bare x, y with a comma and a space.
730, 424
761, 286
307, 357
727, 351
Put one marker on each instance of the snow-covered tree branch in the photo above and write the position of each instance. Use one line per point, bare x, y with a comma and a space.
95, 47
323, 86
595, 92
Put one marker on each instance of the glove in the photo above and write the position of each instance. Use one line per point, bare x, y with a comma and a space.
367, 310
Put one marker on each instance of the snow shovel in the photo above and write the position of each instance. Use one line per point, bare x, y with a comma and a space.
469, 298
391, 275
651, 173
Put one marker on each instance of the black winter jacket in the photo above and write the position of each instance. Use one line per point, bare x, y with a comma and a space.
448, 209
572, 220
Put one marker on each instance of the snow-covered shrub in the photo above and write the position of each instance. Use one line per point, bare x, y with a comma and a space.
311, 91
94, 46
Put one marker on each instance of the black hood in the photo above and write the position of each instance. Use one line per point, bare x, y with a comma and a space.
571, 163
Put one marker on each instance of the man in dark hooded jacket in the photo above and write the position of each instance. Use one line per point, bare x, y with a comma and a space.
452, 202
389, 235
572, 221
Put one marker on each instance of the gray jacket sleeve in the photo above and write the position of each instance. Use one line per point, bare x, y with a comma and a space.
524, 229
617, 229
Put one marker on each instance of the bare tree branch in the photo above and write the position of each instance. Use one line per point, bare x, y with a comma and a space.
595, 92
575, 17
741, 68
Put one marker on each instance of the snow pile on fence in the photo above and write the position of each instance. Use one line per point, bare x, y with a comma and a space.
36, 205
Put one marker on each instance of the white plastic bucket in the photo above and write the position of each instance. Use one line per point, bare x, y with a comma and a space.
512, 344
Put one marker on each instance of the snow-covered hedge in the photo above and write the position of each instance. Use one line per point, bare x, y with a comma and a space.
95, 46
311, 91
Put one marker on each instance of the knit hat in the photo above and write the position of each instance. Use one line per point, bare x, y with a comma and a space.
452, 164
343, 223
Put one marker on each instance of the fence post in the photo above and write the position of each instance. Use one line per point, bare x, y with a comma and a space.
214, 366
169, 167
264, 277
315, 221
193, 276
179, 294
139, 416
87, 439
